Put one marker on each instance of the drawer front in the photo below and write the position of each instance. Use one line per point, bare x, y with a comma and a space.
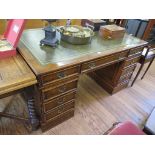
125, 78
59, 110
60, 82
58, 101
48, 94
59, 75
57, 120
128, 70
123, 83
132, 61
103, 61
135, 51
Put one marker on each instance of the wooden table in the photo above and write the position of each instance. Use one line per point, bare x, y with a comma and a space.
16, 76
109, 62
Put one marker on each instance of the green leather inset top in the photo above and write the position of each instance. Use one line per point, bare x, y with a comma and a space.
65, 51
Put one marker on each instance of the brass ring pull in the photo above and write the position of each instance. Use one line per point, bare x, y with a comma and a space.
60, 110
60, 100
92, 65
61, 75
120, 57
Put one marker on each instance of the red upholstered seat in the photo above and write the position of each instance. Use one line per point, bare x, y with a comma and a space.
126, 128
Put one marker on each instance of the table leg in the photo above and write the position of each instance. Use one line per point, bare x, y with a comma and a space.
32, 114
30, 98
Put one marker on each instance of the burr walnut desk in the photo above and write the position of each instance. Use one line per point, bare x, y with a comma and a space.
16, 76
109, 62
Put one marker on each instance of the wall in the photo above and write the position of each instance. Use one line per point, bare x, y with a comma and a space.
38, 23
2, 25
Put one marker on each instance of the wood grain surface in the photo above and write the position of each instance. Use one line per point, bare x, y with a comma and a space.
15, 74
95, 110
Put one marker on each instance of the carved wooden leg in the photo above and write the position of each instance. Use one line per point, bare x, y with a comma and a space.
32, 114
137, 74
29, 95
147, 68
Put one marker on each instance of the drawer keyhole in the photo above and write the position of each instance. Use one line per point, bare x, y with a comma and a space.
62, 89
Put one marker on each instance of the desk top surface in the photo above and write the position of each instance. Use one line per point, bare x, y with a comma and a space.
43, 57
15, 74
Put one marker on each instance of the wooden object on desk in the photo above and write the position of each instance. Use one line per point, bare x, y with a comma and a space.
58, 70
15, 75
112, 31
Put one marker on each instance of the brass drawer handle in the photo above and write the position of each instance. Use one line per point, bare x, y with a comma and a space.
92, 65
60, 100
61, 75
132, 62
128, 72
136, 52
60, 110
119, 56
62, 89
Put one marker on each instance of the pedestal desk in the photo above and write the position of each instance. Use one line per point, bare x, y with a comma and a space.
109, 62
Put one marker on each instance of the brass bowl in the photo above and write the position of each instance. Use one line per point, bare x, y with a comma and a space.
81, 36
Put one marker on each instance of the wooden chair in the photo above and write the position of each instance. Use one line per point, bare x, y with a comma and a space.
148, 55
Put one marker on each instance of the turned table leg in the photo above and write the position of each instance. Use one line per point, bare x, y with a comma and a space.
30, 98
32, 114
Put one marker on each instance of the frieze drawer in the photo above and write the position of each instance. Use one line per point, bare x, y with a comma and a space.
128, 70
131, 61
60, 82
59, 75
103, 61
59, 110
135, 51
48, 94
58, 101
125, 77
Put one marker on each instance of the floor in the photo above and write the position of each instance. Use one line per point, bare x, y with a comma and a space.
96, 110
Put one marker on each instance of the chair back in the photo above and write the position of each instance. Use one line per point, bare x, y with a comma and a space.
149, 49
153, 50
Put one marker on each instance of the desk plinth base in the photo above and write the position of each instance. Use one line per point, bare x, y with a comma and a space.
57, 120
